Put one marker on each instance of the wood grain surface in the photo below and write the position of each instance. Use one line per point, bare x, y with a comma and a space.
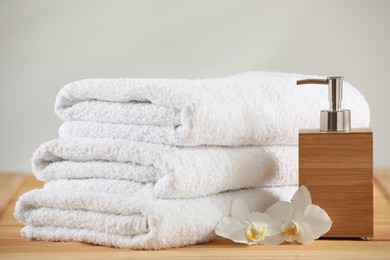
337, 168
12, 246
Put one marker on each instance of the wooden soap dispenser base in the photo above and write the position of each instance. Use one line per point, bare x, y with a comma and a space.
336, 165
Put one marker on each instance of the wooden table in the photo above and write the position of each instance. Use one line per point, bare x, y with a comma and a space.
12, 246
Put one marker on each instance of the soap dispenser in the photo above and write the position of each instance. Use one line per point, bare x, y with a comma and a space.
336, 165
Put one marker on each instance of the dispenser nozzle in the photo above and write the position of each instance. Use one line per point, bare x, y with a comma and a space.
334, 119
312, 81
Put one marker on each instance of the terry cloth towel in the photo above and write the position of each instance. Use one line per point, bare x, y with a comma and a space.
139, 222
86, 164
254, 108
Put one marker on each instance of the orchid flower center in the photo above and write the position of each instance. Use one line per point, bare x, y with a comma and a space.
291, 231
255, 232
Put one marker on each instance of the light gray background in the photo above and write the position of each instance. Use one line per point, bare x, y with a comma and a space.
45, 44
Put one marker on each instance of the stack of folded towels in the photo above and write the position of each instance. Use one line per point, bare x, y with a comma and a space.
156, 163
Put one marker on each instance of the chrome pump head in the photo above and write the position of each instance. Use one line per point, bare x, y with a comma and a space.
334, 119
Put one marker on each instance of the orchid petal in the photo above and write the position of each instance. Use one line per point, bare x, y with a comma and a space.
273, 240
239, 236
259, 217
306, 235
239, 210
232, 229
227, 226
300, 201
281, 210
318, 220
273, 228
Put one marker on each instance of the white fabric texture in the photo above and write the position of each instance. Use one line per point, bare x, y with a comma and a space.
253, 108
126, 167
139, 222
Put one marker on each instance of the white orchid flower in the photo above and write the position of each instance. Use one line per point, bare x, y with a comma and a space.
249, 228
301, 220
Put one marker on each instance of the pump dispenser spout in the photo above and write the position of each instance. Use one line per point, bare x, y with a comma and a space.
334, 119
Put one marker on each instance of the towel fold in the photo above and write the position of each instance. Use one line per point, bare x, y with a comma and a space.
254, 108
87, 164
140, 221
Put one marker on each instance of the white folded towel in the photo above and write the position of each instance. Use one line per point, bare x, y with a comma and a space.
254, 108
85, 164
139, 222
